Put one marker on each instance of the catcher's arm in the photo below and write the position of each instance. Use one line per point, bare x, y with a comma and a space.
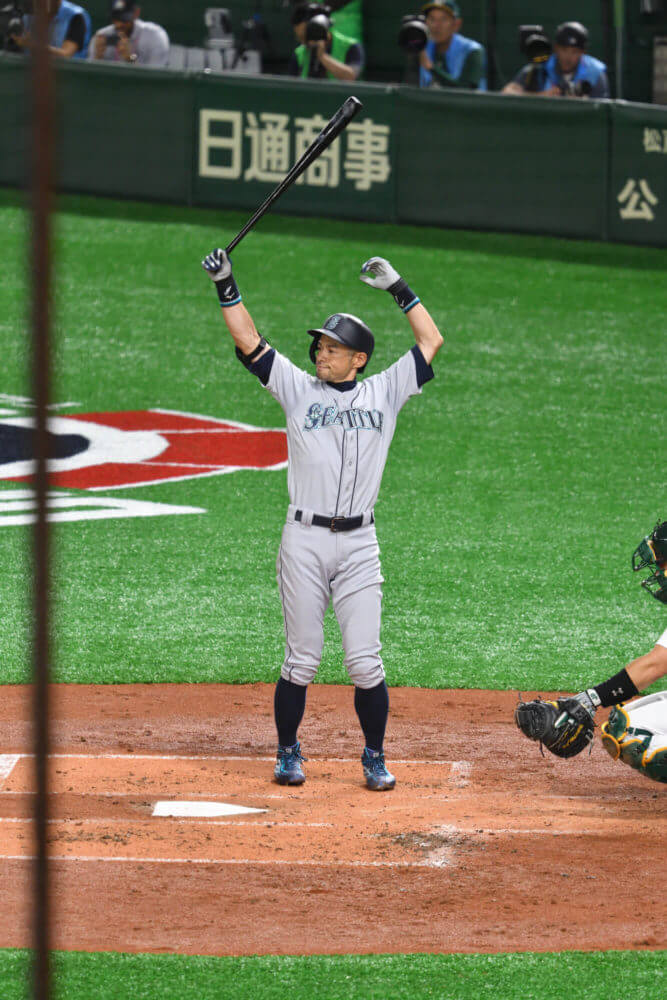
239, 322
648, 668
378, 273
565, 726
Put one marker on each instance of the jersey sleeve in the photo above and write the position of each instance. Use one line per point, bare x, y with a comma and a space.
406, 377
662, 641
601, 86
286, 382
470, 76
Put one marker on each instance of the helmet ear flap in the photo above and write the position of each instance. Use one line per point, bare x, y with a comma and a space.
312, 350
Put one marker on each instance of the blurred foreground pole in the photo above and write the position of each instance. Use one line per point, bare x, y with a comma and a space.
40, 270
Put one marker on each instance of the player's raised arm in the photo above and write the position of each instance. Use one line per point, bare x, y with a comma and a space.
239, 322
378, 273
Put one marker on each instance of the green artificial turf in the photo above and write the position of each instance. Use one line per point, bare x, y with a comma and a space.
528, 976
517, 485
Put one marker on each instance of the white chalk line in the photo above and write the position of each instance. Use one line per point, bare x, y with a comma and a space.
8, 762
310, 862
151, 820
463, 765
453, 830
142, 795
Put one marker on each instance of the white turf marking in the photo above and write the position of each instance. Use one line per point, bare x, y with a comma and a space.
98, 509
233, 424
200, 809
7, 763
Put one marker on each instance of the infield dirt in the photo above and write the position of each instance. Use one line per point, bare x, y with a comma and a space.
483, 846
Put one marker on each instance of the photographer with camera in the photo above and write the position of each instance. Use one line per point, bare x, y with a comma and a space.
347, 16
446, 57
568, 71
129, 39
324, 52
69, 29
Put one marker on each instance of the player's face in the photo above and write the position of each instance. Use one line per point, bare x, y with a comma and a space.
441, 25
335, 362
568, 57
300, 31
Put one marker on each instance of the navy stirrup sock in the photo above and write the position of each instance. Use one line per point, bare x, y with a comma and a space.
372, 707
289, 704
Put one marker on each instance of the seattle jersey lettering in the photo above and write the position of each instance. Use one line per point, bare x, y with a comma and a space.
318, 416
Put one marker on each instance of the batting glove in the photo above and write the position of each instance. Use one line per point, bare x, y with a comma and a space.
218, 266
378, 273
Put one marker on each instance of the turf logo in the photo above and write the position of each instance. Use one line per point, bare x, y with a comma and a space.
110, 451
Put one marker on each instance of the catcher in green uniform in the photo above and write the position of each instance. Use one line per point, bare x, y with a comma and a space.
635, 733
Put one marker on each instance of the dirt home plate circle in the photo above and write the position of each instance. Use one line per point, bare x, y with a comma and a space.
147, 781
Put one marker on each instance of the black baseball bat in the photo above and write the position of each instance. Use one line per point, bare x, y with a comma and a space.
333, 128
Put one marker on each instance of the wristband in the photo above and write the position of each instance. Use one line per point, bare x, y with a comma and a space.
228, 292
403, 295
247, 359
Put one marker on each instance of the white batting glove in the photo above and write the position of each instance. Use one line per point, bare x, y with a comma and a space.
378, 273
217, 265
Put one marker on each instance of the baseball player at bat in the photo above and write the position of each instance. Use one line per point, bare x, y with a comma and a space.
635, 733
338, 432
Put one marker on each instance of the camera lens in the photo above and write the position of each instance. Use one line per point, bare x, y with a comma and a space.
317, 28
413, 35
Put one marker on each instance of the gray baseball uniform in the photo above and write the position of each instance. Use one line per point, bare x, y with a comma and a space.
338, 439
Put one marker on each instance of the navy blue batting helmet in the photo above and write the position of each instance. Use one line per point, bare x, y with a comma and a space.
346, 329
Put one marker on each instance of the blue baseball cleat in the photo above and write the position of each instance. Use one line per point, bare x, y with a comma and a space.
288, 770
378, 778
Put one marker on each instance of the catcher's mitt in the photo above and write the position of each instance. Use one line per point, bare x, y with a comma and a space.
564, 726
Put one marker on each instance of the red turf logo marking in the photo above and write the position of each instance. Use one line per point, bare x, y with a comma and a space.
102, 451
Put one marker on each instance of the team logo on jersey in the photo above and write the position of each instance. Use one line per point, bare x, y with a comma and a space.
318, 416
94, 452
103, 451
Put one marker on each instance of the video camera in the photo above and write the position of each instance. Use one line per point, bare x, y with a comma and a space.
413, 35
11, 23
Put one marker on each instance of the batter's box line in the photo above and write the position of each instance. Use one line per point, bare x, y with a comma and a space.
152, 820
311, 863
462, 765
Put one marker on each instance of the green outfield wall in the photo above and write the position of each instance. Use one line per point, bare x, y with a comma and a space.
567, 168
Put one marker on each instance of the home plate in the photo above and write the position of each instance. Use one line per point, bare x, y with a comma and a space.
201, 809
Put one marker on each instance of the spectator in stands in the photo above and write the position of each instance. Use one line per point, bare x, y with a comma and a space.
128, 39
568, 72
450, 59
69, 30
335, 56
